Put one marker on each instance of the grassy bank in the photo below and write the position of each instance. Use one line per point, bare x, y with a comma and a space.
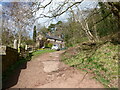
101, 60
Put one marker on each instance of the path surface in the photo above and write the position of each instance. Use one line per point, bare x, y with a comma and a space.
46, 71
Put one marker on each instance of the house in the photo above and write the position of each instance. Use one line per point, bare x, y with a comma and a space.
56, 40
40, 41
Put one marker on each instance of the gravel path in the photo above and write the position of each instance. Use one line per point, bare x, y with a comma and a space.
47, 71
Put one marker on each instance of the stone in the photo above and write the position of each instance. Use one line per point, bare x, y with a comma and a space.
15, 44
2, 50
50, 66
26, 47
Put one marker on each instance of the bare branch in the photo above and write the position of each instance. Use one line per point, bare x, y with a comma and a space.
58, 9
46, 4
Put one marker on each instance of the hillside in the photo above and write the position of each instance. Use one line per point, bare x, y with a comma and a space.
99, 59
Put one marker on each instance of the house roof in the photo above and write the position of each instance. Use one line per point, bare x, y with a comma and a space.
55, 38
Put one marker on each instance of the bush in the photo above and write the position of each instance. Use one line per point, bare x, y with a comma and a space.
50, 45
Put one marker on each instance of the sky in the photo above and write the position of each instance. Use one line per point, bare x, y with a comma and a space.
63, 17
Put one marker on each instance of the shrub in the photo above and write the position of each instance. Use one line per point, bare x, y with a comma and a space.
50, 45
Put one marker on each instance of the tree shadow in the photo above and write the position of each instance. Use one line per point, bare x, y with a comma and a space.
10, 77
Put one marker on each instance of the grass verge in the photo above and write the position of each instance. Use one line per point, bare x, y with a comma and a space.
42, 51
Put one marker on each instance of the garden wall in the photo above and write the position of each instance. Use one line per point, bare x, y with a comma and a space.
9, 56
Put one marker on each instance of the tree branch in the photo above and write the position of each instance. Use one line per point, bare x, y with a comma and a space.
56, 15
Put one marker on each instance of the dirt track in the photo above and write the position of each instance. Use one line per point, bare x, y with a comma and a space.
46, 71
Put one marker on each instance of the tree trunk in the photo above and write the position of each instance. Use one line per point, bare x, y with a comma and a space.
96, 33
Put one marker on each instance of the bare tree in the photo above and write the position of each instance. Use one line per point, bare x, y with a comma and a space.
81, 19
20, 14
